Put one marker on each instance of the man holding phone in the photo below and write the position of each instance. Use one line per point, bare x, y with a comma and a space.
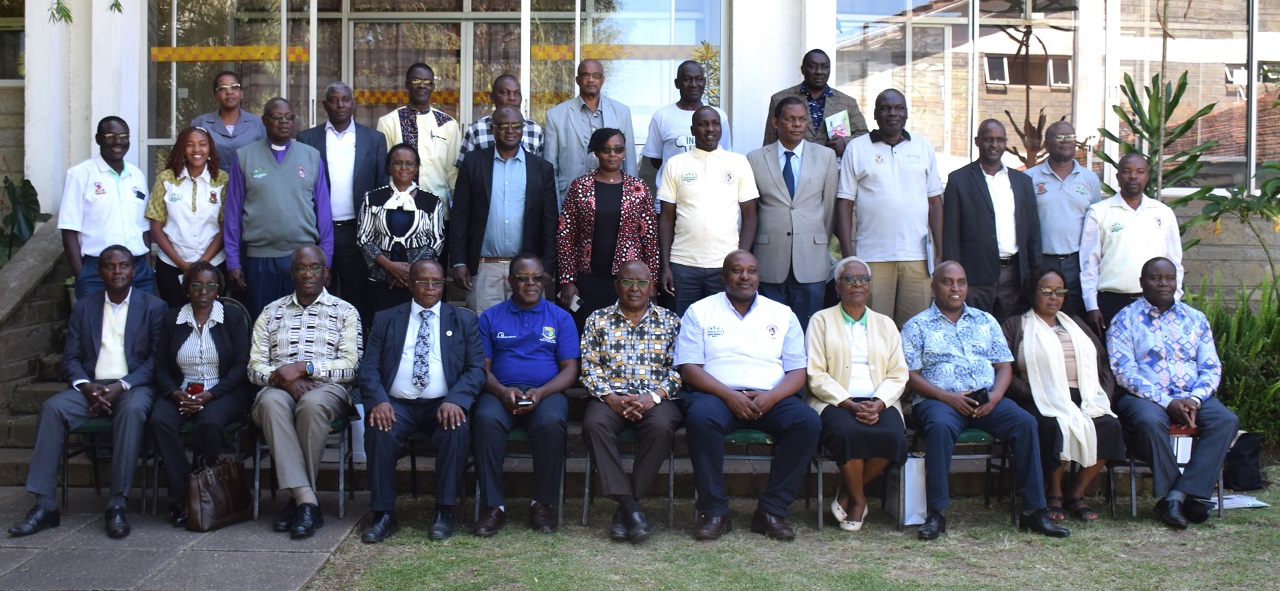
531, 353
960, 367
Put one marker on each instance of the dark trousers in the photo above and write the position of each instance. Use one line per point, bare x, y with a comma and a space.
655, 434
348, 269
266, 280
207, 438
805, 299
67, 410
1111, 303
999, 299
547, 425
941, 425
383, 447
1150, 424
88, 281
793, 425
1069, 266
693, 284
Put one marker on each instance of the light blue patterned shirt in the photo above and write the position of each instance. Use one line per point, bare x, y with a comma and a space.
1163, 356
956, 357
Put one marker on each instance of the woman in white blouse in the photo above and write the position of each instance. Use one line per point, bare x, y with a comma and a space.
857, 374
201, 361
185, 210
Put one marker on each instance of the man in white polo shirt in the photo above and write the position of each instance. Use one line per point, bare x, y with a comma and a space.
103, 202
742, 359
708, 210
1120, 235
891, 177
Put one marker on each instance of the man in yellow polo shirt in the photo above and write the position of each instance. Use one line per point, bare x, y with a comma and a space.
708, 210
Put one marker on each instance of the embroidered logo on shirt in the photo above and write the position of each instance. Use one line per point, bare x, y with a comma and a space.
213, 197
1080, 190
714, 331
689, 177
1041, 189
1116, 227
503, 335
879, 159
773, 331
98, 190
259, 173
729, 177
302, 172
1159, 223
548, 334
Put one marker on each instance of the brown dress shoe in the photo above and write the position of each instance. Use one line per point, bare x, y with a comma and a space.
541, 518
711, 528
771, 525
491, 520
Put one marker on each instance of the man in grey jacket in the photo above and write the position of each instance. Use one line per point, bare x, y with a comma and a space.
570, 124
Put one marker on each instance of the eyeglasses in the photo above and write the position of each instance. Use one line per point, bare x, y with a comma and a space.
429, 283
203, 287
313, 269
592, 75
1048, 291
508, 126
124, 137
280, 118
403, 164
420, 82
539, 278
612, 149
1063, 138
227, 88
855, 279
630, 283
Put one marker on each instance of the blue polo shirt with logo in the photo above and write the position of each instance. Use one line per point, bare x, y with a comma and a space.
526, 346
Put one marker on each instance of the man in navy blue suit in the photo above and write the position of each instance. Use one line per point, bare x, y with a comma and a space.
422, 369
108, 361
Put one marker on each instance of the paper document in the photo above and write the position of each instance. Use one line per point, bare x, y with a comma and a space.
838, 125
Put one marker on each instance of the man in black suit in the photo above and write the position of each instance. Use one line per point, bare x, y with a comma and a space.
109, 360
990, 225
504, 204
421, 371
353, 158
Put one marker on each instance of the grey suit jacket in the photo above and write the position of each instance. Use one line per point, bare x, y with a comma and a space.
969, 224
793, 232
565, 142
461, 354
370, 170
249, 129
837, 102
141, 337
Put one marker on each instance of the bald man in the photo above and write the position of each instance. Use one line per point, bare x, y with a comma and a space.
480, 135
571, 123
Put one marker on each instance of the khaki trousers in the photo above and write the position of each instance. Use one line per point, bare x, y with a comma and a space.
900, 289
296, 430
489, 287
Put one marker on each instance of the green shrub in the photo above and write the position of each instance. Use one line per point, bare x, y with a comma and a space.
1248, 340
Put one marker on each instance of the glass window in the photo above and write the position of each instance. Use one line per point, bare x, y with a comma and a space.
383, 53
12, 40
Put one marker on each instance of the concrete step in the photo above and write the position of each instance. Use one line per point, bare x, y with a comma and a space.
50, 368
27, 398
18, 432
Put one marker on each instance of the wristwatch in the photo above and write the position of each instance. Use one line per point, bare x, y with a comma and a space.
656, 399
311, 369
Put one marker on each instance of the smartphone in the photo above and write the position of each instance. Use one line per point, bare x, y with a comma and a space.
524, 402
195, 388
980, 396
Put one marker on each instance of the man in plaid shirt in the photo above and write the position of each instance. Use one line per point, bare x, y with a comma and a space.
479, 135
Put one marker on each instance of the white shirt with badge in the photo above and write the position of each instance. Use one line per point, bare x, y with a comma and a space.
106, 208
750, 352
192, 215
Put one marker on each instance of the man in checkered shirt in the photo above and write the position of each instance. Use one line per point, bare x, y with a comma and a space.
478, 135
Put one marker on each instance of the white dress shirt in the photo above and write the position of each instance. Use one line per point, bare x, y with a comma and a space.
1004, 207
402, 386
340, 149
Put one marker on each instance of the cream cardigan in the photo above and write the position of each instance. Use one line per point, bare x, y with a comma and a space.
830, 359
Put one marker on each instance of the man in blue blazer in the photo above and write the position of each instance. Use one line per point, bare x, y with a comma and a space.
353, 157
422, 369
990, 225
109, 359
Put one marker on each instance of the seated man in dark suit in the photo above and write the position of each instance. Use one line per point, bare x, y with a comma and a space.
421, 371
108, 359
531, 354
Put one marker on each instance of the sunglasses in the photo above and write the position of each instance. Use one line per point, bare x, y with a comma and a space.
612, 149
539, 278
203, 287
1048, 291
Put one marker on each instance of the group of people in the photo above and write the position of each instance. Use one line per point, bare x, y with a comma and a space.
566, 256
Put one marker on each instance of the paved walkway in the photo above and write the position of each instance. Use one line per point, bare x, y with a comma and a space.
79, 555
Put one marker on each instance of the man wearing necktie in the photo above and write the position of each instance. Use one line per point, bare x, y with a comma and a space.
423, 369
797, 181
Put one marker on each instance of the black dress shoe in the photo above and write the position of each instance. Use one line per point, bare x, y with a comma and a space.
307, 521
764, 522
37, 520
1170, 512
618, 529
935, 524
178, 513
1040, 523
383, 525
442, 529
491, 520
541, 518
1195, 510
117, 525
284, 522
638, 527
711, 528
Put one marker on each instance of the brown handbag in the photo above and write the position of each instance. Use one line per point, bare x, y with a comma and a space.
218, 496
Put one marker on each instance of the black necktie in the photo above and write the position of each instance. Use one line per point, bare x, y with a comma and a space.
788, 175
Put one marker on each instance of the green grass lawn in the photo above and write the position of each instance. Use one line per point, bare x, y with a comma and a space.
981, 551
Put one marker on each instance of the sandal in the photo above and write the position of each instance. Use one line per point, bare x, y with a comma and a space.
1054, 513
1081, 510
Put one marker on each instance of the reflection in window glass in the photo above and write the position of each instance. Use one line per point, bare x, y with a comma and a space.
383, 53
406, 6
12, 65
